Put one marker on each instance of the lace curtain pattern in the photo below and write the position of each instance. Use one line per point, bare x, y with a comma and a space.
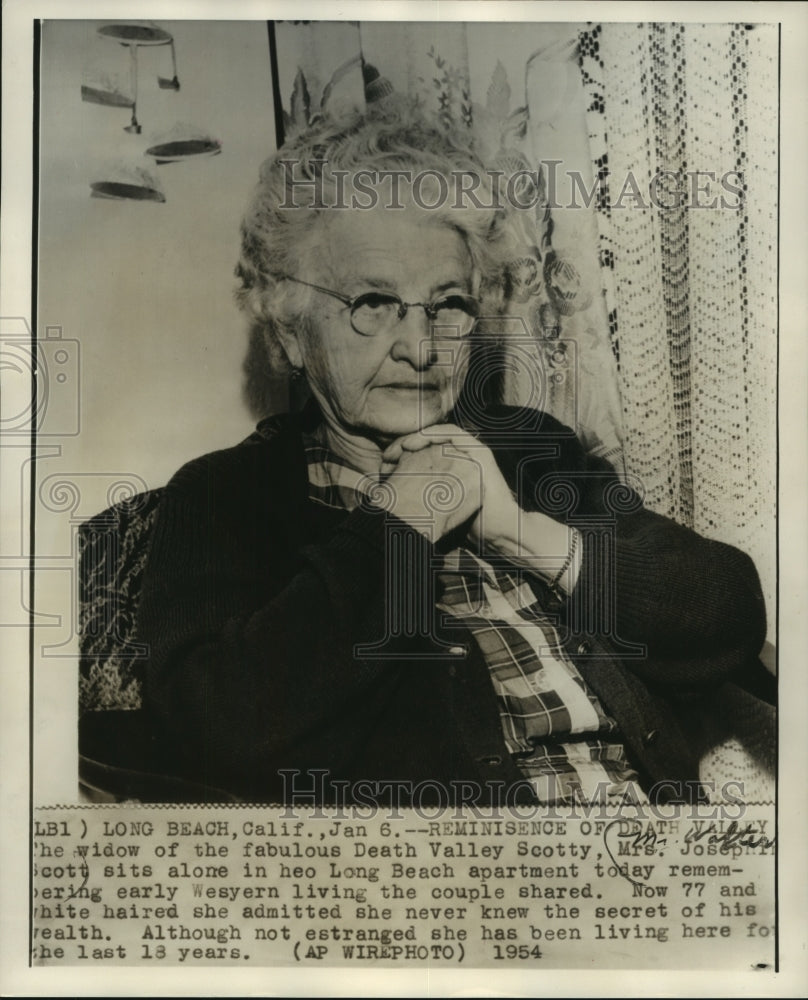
651, 330
692, 291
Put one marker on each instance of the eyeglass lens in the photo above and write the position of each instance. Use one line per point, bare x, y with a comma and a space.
377, 312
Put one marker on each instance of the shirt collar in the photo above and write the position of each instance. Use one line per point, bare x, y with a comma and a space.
332, 482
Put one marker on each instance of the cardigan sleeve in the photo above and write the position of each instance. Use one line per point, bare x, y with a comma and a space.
680, 609
251, 624
694, 604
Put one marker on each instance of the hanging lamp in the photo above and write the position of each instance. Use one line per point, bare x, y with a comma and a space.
132, 36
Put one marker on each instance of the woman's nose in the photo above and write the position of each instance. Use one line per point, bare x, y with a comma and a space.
412, 338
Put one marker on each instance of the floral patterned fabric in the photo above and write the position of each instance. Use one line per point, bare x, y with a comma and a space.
112, 554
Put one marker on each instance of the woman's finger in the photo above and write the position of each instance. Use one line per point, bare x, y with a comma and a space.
391, 454
437, 434
419, 441
412, 442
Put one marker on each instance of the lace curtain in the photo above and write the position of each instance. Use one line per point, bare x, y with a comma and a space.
693, 290
651, 331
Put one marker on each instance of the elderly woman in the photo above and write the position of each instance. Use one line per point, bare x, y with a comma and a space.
409, 591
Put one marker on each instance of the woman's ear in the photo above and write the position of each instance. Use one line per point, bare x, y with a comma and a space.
291, 346
285, 314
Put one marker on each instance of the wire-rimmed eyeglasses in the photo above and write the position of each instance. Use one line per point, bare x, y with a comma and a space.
373, 313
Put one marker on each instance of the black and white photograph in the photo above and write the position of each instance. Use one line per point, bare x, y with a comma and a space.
398, 426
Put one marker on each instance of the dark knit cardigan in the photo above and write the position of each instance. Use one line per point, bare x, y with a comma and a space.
254, 599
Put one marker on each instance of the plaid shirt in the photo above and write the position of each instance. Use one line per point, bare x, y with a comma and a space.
557, 731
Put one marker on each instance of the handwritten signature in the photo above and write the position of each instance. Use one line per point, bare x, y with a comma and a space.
732, 837
631, 838
639, 838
